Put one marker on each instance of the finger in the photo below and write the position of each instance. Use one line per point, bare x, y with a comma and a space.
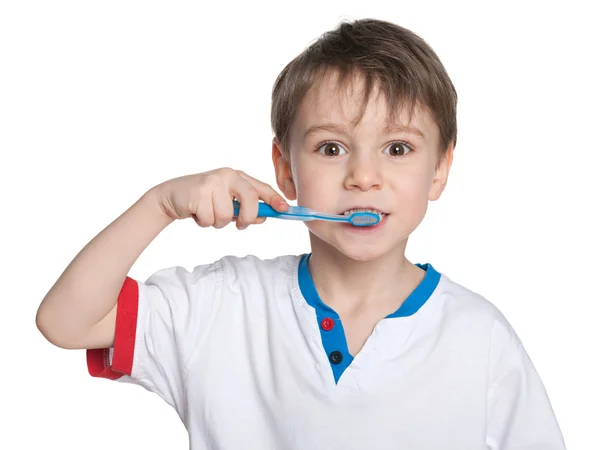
248, 196
266, 193
222, 206
259, 220
204, 214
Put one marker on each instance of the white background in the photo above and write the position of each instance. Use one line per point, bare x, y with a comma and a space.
99, 101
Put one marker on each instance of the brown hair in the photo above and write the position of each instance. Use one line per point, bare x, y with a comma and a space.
405, 67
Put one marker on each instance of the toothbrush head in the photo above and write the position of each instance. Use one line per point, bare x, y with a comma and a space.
364, 219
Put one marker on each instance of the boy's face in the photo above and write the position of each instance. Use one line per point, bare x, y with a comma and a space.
335, 165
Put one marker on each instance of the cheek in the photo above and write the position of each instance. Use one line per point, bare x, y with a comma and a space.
311, 191
412, 192
314, 185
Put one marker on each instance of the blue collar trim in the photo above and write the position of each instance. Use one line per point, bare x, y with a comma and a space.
410, 306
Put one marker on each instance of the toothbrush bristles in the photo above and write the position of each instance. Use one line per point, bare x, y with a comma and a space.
365, 219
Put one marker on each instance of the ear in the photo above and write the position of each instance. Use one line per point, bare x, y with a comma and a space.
441, 174
283, 172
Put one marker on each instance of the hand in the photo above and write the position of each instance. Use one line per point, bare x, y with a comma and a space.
208, 198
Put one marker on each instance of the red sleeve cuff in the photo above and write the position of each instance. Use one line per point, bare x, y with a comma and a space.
98, 360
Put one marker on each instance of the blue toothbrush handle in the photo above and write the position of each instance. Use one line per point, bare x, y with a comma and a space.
264, 210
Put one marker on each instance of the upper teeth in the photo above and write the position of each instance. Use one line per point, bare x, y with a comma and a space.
352, 211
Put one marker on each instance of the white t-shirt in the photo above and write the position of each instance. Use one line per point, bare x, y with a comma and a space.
250, 358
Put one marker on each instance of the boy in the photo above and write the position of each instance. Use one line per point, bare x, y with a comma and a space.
348, 347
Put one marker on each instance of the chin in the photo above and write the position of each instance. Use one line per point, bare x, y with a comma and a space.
361, 253
351, 249
361, 257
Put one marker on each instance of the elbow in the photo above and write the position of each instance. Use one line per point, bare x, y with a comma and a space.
52, 331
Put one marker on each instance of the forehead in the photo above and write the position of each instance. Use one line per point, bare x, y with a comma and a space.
331, 102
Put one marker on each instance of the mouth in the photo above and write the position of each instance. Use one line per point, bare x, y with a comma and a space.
381, 214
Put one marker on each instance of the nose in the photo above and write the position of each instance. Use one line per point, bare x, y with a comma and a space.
363, 173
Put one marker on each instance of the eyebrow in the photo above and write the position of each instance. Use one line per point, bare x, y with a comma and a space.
389, 129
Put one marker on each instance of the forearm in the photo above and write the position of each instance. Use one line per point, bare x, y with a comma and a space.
89, 287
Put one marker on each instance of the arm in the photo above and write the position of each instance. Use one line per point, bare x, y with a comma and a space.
520, 415
79, 311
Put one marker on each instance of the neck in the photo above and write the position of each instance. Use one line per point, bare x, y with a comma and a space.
346, 284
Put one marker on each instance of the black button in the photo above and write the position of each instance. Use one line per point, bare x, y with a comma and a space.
336, 357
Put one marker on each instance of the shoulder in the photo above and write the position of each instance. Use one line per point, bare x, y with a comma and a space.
250, 271
230, 266
461, 301
473, 312
179, 288
254, 263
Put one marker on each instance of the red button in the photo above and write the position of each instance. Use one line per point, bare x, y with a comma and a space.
327, 324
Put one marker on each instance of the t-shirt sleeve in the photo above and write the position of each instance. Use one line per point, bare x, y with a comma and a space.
160, 325
520, 416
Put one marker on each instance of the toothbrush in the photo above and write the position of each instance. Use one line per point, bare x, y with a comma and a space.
358, 219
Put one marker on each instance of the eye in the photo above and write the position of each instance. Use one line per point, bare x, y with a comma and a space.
399, 148
331, 149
